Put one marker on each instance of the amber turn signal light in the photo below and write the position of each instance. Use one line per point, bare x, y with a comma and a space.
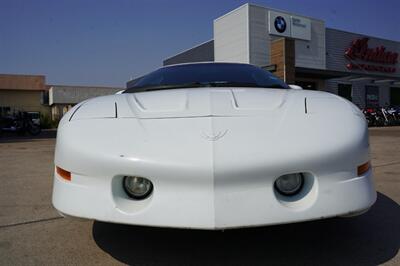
362, 169
63, 173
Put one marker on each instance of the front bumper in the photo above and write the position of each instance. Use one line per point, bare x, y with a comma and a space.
216, 206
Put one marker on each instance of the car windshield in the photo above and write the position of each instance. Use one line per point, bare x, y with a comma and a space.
33, 115
207, 75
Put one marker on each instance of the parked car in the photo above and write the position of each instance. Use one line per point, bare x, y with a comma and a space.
19, 122
213, 146
35, 117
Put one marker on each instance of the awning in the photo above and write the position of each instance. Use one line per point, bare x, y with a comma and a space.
303, 72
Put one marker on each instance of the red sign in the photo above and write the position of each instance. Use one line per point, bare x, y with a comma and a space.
359, 50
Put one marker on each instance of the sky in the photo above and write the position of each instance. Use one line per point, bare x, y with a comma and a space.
108, 42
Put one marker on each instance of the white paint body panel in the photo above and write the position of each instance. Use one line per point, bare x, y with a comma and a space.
213, 155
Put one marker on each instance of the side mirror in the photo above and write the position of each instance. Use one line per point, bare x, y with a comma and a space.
120, 92
295, 87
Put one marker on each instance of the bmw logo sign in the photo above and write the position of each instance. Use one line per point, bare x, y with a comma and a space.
280, 24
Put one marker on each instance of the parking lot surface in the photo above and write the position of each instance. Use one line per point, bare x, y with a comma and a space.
32, 232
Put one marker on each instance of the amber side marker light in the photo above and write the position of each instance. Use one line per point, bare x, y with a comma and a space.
362, 169
63, 173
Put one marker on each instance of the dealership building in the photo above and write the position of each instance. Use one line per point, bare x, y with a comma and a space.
62, 98
30, 93
302, 50
23, 93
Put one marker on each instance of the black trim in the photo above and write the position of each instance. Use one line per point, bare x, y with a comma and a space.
304, 72
77, 108
305, 105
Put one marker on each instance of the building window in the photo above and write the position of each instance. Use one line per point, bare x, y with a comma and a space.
372, 96
344, 90
44, 99
395, 96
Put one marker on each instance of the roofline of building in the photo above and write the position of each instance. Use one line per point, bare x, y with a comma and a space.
188, 49
287, 12
278, 10
232, 11
79, 86
23, 75
269, 8
23, 82
365, 35
333, 74
247, 4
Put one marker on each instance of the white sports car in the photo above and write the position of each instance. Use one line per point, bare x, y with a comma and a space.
212, 146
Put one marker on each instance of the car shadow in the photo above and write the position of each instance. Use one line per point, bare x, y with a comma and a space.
369, 239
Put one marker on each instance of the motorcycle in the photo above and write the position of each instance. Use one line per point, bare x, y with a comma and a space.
369, 117
374, 117
377, 117
394, 114
19, 123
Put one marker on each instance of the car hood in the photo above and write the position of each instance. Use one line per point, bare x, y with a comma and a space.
205, 102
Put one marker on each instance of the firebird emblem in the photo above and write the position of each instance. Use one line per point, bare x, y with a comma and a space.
214, 137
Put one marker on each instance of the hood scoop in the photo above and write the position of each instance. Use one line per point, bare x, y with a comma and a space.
162, 101
205, 102
180, 103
